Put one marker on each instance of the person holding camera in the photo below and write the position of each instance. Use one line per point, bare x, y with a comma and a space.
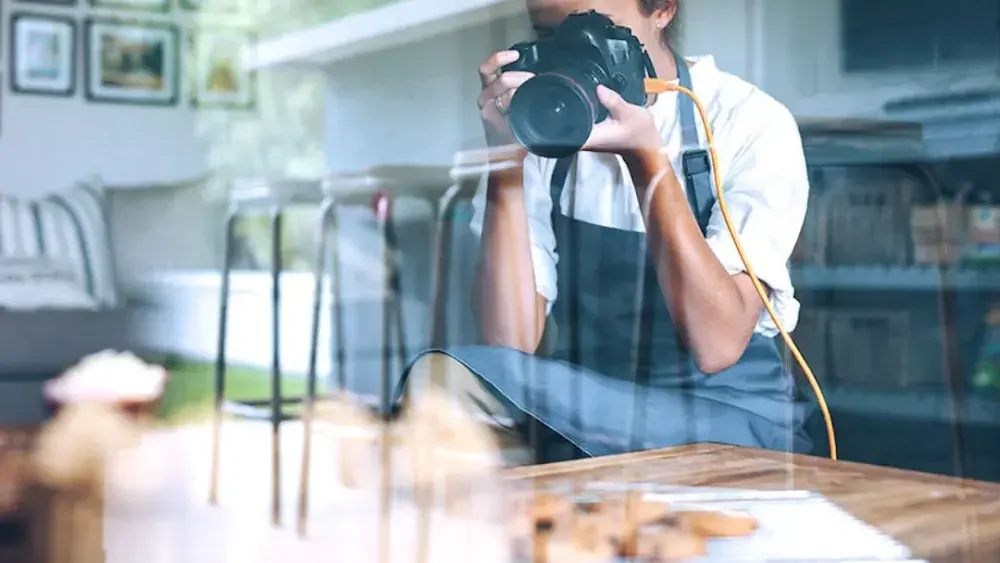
615, 310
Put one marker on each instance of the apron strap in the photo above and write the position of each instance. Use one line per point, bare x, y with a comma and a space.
695, 161
571, 253
559, 175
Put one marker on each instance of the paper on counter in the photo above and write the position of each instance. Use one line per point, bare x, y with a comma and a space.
794, 525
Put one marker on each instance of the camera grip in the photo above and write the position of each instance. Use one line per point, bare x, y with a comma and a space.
527, 59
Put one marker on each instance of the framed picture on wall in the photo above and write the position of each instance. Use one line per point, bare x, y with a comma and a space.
215, 67
50, 2
130, 62
42, 54
146, 5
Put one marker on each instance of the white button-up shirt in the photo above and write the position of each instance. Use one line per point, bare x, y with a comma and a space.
761, 164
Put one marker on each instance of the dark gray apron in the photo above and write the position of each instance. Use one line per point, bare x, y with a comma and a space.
617, 377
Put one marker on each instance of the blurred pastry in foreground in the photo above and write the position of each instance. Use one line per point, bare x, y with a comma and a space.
93, 429
718, 524
110, 377
74, 447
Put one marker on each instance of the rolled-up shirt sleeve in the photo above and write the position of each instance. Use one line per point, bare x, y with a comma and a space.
766, 191
538, 205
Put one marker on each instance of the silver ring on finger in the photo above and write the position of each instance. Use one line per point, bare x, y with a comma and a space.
499, 103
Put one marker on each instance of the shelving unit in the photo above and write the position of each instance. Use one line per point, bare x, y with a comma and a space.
930, 418
916, 278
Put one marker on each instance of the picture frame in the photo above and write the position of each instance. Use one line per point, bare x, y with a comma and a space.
50, 2
131, 62
135, 5
217, 79
42, 54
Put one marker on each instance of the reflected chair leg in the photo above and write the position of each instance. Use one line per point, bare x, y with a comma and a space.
220, 357
396, 300
276, 402
425, 496
400, 322
383, 215
439, 308
338, 338
442, 240
309, 406
421, 450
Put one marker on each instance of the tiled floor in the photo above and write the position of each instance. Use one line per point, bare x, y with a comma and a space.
165, 516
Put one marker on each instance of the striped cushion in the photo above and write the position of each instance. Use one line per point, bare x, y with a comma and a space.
69, 227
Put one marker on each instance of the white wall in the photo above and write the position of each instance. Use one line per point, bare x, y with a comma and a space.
414, 104
49, 143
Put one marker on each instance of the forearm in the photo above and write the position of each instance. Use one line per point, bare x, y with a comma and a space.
704, 300
510, 312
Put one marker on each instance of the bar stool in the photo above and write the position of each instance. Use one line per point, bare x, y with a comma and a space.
254, 196
378, 187
468, 170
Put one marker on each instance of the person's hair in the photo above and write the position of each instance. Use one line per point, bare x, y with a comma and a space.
672, 32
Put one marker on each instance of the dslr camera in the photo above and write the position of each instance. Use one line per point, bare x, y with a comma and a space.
553, 113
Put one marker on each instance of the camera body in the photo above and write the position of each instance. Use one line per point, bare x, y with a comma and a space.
553, 113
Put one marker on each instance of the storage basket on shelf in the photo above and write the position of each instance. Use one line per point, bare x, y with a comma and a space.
869, 348
866, 213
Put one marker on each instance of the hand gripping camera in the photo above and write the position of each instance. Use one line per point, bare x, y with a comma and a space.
553, 113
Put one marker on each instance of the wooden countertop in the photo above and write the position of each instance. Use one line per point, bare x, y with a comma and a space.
938, 518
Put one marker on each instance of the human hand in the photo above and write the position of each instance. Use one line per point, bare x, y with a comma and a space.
497, 90
628, 129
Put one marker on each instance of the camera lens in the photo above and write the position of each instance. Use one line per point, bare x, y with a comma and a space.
552, 115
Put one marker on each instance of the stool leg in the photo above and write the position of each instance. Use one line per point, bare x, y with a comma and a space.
439, 307
442, 238
338, 338
309, 406
396, 297
220, 357
383, 215
421, 450
276, 400
337, 304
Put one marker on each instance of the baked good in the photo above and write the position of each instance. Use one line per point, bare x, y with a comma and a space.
549, 527
119, 378
718, 524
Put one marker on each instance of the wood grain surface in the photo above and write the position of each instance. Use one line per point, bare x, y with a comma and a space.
941, 519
